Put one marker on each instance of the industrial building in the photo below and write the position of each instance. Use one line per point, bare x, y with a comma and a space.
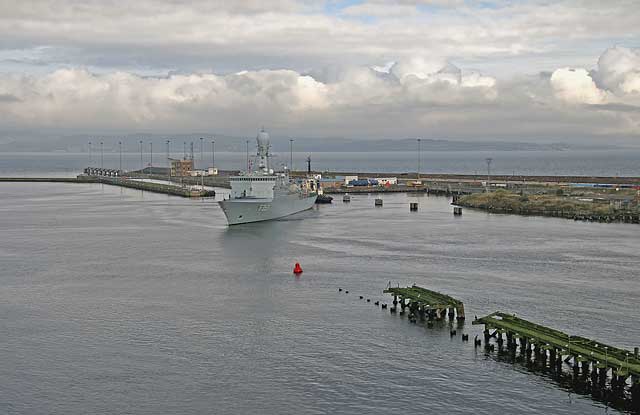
182, 167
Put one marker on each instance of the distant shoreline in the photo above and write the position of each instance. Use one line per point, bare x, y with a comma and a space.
426, 177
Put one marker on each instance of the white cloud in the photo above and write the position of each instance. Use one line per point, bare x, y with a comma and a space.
615, 81
619, 70
381, 10
418, 67
236, 35
576, 86
76, 98
419, 96
448, 68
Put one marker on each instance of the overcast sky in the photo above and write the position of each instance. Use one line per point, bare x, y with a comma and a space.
453, 69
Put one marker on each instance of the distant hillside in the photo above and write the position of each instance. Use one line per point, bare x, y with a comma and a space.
79, 143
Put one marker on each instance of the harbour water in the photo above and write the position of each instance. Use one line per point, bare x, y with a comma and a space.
115, 300
611, 162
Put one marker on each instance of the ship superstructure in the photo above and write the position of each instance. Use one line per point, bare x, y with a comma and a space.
262, 194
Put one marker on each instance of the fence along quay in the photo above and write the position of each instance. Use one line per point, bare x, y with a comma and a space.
587, 355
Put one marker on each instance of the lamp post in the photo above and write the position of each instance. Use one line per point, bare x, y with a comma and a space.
120, 148
213, 153
151, 148
419, 156
488, 160
169, 159
101, 154
247, 155
201, 149
291, 154
141, 162
184, 150
90, 158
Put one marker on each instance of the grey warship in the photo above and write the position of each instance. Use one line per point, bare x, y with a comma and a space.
261, 194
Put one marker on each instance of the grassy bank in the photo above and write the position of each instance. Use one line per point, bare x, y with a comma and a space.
605, 207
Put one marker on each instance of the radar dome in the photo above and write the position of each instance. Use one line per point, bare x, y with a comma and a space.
263, 138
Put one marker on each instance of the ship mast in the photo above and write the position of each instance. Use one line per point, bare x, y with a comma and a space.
263, 151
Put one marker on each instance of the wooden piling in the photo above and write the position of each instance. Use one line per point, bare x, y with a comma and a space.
583, 353
433, 303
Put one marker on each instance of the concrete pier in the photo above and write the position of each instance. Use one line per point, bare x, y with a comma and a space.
113, 180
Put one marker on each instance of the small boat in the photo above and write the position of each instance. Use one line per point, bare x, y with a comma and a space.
322, 198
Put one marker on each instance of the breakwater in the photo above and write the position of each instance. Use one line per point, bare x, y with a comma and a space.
438, 189
48, 180
175, 190
157, 187
506, 178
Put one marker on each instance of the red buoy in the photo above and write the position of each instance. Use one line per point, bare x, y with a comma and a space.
297, 269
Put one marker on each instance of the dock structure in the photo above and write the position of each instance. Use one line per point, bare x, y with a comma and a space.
558, 347
169, 189
425, 303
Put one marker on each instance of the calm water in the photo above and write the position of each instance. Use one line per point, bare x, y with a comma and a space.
119, 301
619, 162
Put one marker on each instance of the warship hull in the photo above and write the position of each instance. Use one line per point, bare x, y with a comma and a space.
247, 210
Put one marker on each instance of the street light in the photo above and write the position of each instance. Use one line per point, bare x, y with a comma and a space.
151, 147
247, 155
213, 153
169, 159
120, 148
101, 154
201, 149
291, 154
90, 158
488, 160
141, 162
419, 156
